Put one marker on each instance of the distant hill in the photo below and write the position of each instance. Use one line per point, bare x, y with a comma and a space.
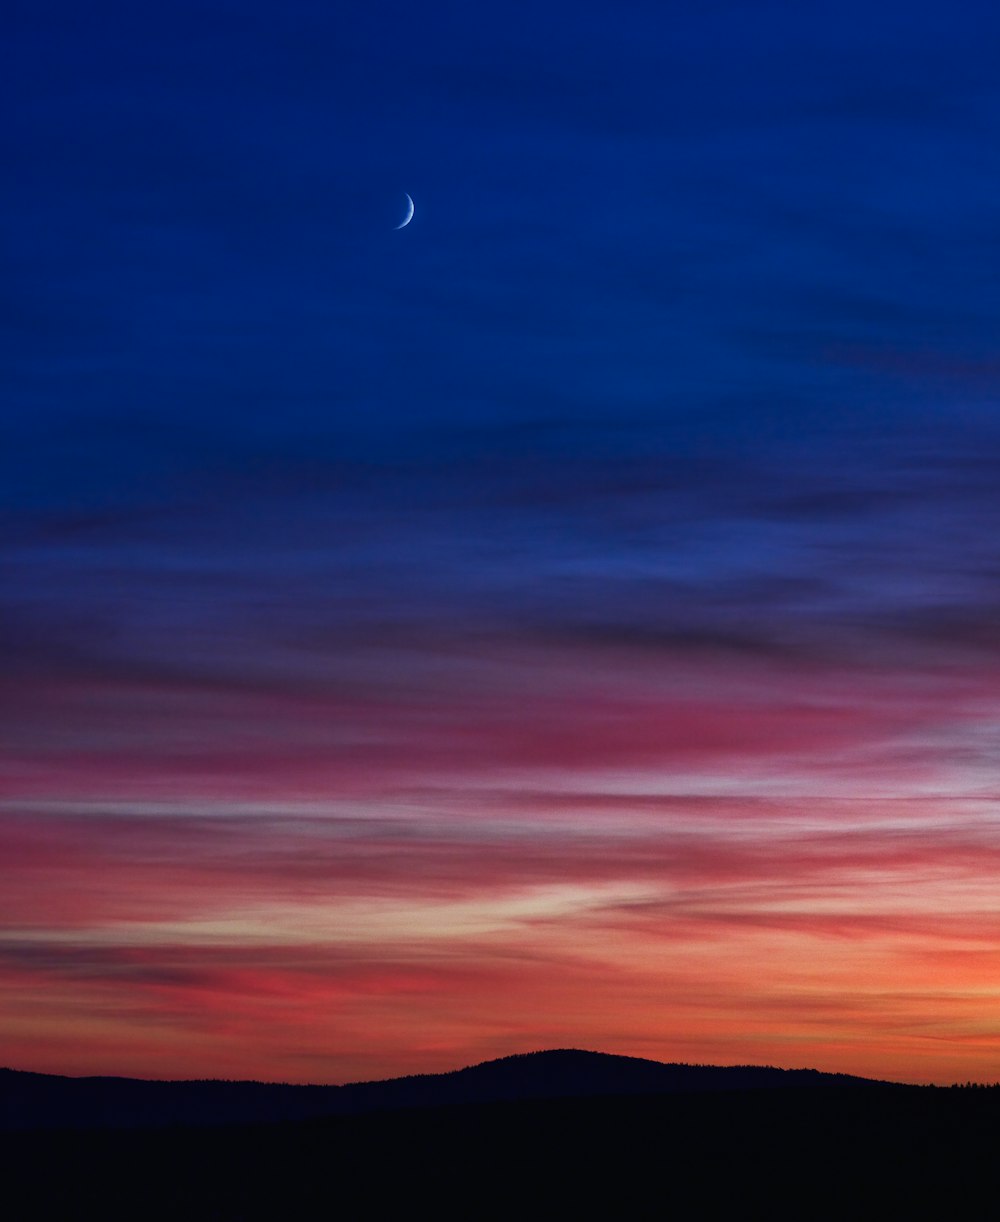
828, 1148
48, 1101
550, 1134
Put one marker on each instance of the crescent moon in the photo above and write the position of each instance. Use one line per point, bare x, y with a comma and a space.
409, 213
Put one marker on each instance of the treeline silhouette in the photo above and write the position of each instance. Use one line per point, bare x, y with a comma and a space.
813, 1151
30, 1100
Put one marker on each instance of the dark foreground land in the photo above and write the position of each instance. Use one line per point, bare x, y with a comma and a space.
823, 1149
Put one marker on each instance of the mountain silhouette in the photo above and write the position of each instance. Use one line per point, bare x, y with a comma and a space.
543, 1135
48, 1101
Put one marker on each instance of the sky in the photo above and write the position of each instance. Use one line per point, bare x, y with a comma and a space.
571, 620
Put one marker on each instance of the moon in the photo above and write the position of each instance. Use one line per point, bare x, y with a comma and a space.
409, 213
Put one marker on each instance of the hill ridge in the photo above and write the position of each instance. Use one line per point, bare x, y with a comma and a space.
30, 1100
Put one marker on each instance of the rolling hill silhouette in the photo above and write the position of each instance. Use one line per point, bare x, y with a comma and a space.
543, 1135
46, 1101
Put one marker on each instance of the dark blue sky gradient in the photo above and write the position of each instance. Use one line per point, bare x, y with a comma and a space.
696, 307
727, 275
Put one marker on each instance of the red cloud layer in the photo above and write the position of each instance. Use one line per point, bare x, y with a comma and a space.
450, 861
